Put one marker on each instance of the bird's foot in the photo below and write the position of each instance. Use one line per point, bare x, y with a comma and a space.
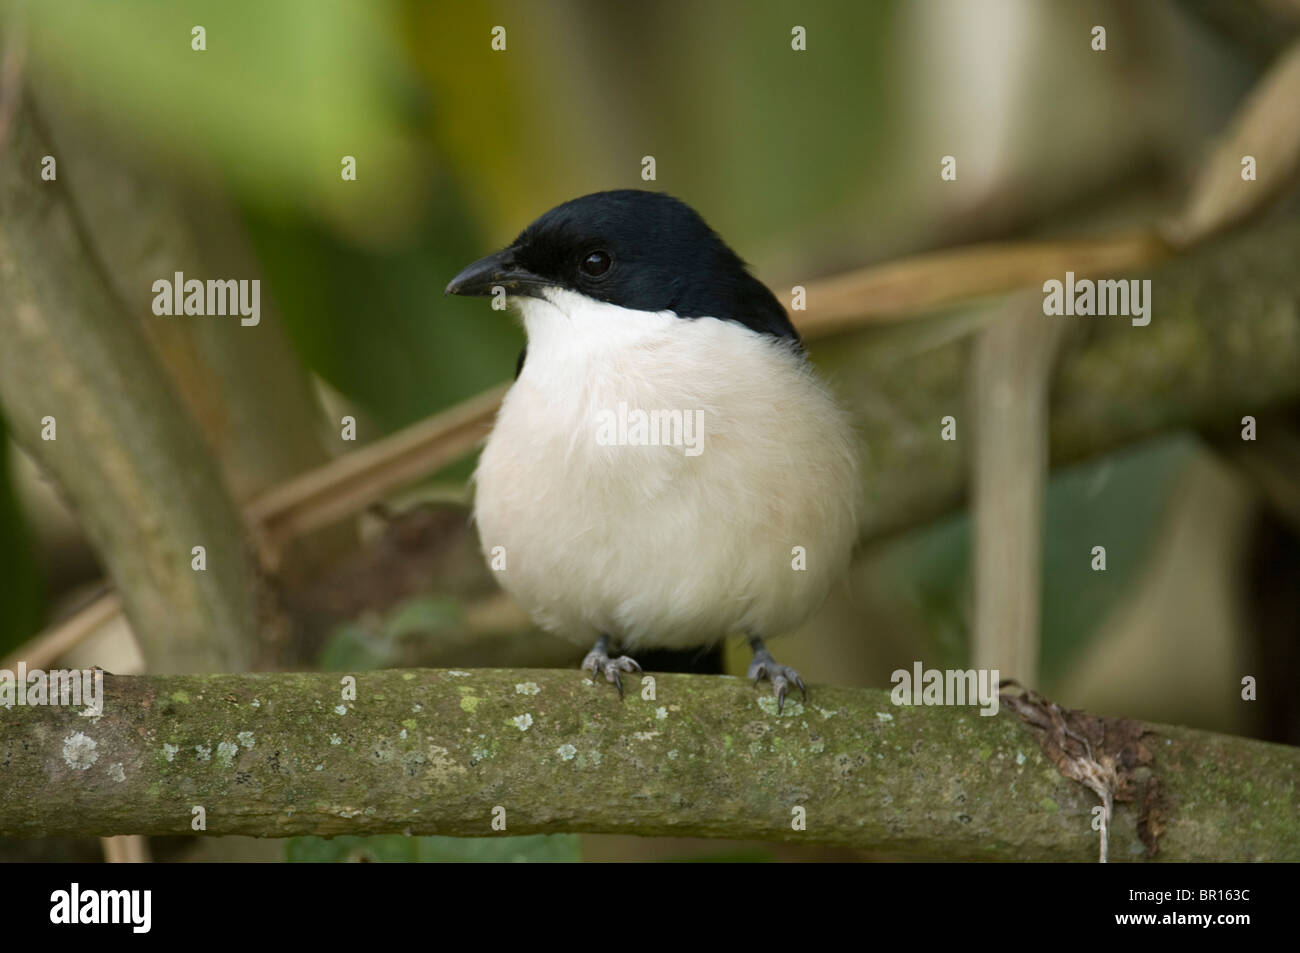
598, 662
781, 677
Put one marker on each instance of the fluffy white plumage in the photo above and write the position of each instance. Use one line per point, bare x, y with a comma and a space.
644, 543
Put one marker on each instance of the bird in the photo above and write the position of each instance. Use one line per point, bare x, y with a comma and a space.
667, 469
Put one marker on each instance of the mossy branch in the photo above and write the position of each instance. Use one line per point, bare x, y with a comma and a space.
434, 752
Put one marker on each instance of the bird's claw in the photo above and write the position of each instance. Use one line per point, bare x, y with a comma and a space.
781, 677
599, 663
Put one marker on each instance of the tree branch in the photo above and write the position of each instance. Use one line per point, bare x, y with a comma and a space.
899, 290
434, 752
142, 227
1011, 367
126, 456
1224, 340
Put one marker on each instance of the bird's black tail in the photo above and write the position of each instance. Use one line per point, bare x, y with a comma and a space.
702, 661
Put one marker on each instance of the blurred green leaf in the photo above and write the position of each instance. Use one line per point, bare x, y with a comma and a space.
375, 323
354, 648
763, 140
358, 646
282, 92
1117, 501
1120, 502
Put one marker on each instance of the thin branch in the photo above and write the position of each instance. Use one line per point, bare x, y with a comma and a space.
902, 289
56, 641
352, 482
1011, 370
1267, 130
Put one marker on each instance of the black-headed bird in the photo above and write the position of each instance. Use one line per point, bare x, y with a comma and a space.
667, 468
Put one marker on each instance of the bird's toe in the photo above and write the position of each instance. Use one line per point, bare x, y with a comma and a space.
781, 678
599, 663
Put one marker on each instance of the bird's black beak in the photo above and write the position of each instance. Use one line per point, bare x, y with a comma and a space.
499, 270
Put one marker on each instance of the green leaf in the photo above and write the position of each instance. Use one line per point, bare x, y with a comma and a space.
281, 93
374, 322
1117, 501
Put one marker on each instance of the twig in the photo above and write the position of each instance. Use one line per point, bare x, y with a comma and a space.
1266, 128
902, 289
59, 639
1010, 371
352, 482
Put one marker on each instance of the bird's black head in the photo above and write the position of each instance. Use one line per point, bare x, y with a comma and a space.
641, 250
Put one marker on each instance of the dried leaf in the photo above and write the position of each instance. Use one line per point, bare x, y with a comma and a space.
1107, 755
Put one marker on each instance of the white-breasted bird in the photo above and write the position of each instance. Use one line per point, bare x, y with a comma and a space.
667, 468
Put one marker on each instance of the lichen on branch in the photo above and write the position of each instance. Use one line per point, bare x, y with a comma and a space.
445, 752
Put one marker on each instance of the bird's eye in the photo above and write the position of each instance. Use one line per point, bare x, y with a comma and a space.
596, 264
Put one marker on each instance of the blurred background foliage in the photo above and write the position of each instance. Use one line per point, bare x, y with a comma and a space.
809, 163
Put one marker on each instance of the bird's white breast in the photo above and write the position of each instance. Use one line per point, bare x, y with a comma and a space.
650, 544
